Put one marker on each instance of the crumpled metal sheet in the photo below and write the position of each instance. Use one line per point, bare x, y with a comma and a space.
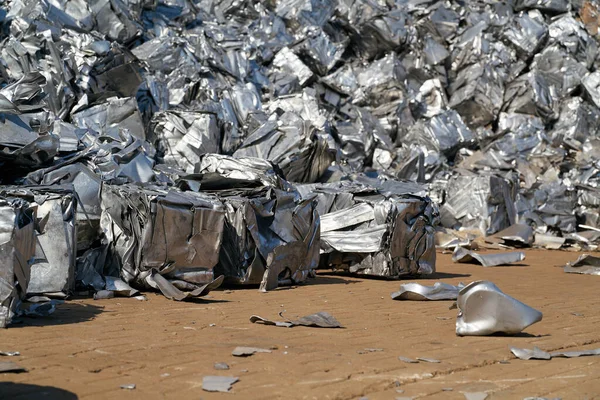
480, 201
462, 255
585, 264
183, 137
162, 240
483, 309
375, 230
55, 209
112, 115
17, 252
288, 140
270, 238
439, 291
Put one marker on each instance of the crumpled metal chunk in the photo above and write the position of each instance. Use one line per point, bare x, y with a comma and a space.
183, 137
439, 291
269, 238
375, 230
168, 241
479, 201
55, 210
17, 252
483, 309
302, 153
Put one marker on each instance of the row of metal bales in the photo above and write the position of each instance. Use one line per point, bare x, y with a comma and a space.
247, 226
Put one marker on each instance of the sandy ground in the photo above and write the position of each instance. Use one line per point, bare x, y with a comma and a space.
88, 348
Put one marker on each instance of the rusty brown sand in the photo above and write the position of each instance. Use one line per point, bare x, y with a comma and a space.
88, 348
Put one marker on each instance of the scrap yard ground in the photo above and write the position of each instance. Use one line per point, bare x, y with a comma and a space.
88, 348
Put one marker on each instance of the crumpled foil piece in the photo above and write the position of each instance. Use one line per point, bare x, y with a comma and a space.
483, 309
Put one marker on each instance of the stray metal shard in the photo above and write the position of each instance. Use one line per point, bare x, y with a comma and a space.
462, 255
321, 319
128, 386
483, 309
429, 360
407, 360
418, 292
218, 383
247, 351
527, 354
9, 366
221, 366
585, 264
537, 354
475, 395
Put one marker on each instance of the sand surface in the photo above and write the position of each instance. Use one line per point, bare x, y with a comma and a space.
87, 349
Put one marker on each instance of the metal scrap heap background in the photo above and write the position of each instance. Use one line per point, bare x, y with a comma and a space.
225, 127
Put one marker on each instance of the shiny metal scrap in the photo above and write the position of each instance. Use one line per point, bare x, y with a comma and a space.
483, 309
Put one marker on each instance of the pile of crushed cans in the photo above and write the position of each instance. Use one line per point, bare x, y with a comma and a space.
175, 145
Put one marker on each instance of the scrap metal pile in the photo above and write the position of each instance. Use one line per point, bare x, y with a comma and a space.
177, 143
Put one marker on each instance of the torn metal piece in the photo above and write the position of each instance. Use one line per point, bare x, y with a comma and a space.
429, 360
128, 386
38, 309
585, 264
475, 395
439, 291
255, 319
221, 366
516, 234
407, 360
321, 319
241, 351
548, 241
527, 354
9, 353
580, 353
369, 350
118, 287
462, 255
104, 295
218, 383
483, 309
9, 366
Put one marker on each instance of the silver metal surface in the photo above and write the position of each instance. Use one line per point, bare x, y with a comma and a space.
439, 291
483, 309
462, 255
